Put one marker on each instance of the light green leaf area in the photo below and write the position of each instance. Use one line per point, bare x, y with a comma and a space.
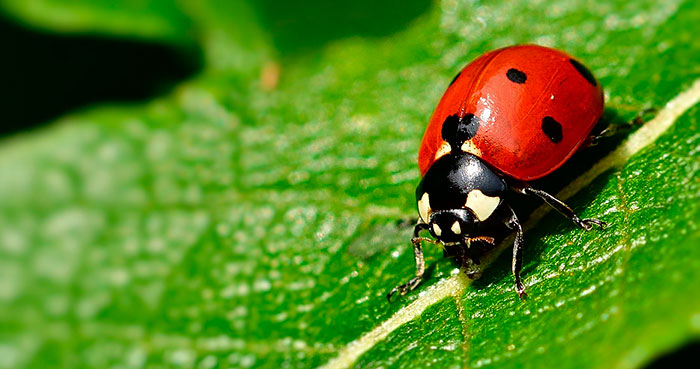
148, 19
232, 225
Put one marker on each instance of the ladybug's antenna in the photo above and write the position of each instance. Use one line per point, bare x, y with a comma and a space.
489, 240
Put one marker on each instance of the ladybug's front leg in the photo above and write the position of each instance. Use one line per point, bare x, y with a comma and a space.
517, 263
420, 262
562, 208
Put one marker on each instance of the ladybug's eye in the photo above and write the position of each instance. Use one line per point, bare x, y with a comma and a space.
452, 225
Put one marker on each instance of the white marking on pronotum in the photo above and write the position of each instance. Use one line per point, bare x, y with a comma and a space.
456, 229
482, 205
455, 285
443, 150
424, 207
468, 146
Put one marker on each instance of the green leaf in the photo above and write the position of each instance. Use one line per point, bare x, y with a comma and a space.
159, 19
238, 222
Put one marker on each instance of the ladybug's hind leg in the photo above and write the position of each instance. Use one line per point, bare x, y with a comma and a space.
610, 130
561, 207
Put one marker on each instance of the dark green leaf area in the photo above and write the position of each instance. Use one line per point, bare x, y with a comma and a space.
442, 344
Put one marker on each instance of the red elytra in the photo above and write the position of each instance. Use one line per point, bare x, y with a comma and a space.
536, 107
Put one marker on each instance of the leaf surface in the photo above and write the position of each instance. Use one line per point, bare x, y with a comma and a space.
236, 223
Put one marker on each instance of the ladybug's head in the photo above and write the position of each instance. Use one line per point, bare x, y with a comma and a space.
454, 225
457, 194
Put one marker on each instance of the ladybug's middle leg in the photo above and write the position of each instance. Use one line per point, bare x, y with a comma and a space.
562, 208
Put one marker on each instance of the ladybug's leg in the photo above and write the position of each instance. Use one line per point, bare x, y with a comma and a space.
612, 130
420, 262
514, 223
562, 208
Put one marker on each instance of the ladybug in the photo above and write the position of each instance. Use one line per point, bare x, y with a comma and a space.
511, 116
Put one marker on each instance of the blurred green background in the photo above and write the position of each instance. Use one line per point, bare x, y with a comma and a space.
225, 184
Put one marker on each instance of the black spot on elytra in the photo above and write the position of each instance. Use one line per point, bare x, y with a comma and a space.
456, 130
552, 129
516, 76
454, 79
585, 73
